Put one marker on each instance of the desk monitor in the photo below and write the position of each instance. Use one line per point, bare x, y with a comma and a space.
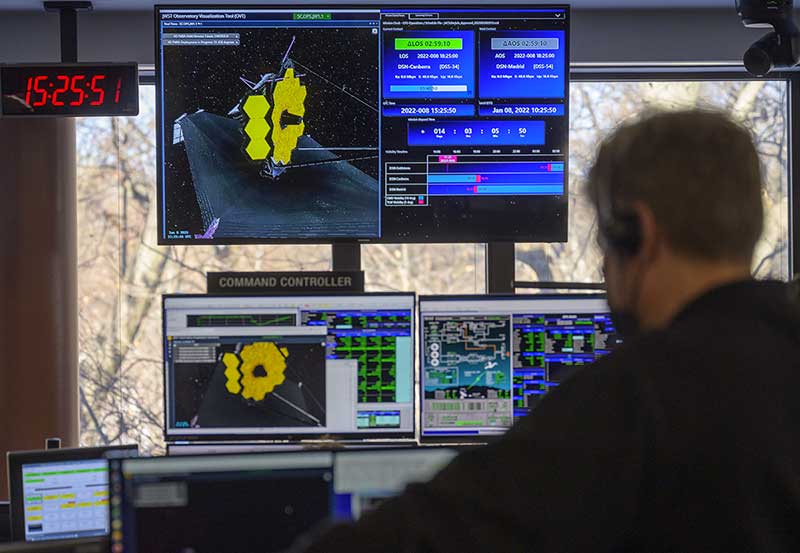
486, 361
5, 522
289, 367
60, 493
258, 502
255, 503
369, 122
191, 448
364, 479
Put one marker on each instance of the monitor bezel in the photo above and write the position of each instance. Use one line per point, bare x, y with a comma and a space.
399, 438
118, 466
80, 545
479, 438
123, 485
15, 461
374, 5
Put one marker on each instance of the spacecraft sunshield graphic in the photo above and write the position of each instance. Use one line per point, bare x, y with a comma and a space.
289, 97
271, 114
272, 117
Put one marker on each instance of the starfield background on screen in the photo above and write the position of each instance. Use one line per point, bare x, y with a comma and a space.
394, 124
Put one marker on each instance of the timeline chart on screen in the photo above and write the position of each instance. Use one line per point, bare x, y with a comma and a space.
488, 143
473, 175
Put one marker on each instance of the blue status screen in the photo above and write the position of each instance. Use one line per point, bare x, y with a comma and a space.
522, 64
474, 123
424, 64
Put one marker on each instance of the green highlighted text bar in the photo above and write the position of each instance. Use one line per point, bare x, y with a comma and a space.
60, 472
428, 44
311, 16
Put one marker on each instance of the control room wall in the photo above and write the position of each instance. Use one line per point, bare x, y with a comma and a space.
614, 36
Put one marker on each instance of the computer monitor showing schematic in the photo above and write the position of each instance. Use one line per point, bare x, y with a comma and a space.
487, 361
367, 122
289, 367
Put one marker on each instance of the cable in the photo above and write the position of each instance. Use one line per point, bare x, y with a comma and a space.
341, 88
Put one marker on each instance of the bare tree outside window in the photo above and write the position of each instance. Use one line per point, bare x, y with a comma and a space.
598, 107
122, 272
425, 268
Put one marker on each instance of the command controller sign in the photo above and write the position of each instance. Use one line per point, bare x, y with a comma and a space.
283, 282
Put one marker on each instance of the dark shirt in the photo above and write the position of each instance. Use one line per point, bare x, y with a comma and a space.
686, 439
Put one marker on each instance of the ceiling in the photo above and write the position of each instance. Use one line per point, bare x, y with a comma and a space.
142, 5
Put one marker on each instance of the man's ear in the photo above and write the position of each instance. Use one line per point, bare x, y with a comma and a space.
652, 239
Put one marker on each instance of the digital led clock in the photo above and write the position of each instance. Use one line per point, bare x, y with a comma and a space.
69, 90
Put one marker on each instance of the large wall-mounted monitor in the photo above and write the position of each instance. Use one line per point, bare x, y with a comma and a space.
487, 361
289, 367
396, 123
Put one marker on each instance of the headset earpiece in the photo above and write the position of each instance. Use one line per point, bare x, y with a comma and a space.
623, 233
620, 227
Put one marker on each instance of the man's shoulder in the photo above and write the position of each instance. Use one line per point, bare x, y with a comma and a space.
612, 379
633, 365
720, 340
705, 345
689, 343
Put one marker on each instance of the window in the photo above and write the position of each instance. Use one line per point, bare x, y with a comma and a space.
122, 273
597, 107
425, 268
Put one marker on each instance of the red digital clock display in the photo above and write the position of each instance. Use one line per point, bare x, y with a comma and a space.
69, 89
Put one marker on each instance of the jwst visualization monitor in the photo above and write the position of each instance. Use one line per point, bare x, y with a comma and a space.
392, 124
289, 367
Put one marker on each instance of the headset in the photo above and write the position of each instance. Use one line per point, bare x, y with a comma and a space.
620, 228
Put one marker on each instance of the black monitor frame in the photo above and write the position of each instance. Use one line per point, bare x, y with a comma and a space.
16, 459
389, 438
562, 201
81, 545
117, 466
123, 487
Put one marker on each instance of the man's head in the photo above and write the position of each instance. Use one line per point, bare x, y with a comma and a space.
678, 197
